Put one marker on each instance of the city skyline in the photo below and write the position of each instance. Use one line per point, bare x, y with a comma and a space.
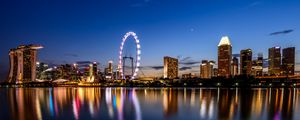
150, 59
193, 34
24, 66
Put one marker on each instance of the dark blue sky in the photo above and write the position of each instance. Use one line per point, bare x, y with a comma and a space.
77, 30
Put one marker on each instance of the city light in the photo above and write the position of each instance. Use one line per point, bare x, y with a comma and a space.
281, 65
150, 59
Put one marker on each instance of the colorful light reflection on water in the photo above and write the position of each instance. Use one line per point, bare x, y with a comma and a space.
148, 103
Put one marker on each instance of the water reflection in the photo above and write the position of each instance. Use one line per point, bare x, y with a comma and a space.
148, 103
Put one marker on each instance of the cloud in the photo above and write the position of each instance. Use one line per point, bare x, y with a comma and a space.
140, 3
192, 30
185, 59
188, 61
256, 3
157, 67
151, 67
282, 32
70, 55
185, 68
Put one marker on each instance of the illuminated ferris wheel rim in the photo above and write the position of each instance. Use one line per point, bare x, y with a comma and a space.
138, 53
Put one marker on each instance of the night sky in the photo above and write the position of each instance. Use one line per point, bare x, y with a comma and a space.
83, 30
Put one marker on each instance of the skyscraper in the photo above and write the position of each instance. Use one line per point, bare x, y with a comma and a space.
274, 61
170, 67
257, 66
23, 63
206, 69
109, 71
246, 61
118, 72
110, 66
95, 68
288, 61
234, 66
224, 57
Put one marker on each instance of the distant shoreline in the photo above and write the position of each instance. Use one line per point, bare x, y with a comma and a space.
190, 83
143, 87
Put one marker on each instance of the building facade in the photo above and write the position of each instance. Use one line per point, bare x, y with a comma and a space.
110, 67
234, 66
109, 71
206, 69
170, 67
23, 64
257, 66
95, 69
246, 61
274, 61
224, 57
288, 61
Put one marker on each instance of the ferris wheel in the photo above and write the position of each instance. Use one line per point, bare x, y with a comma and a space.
121, 65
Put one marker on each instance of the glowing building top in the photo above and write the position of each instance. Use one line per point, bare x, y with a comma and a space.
224, 41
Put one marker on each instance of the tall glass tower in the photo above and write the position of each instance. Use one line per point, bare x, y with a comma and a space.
224, 57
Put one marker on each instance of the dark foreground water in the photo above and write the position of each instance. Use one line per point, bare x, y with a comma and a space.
149, 103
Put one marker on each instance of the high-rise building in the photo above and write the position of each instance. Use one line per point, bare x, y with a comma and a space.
23, 63
110, 67
170, 67
109, 71
274, 61
234, 67
40, 69
206, 69
118, 72
246, 62
224, 57
95, 68
106, 71
288, 61
257, 66
260, 63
